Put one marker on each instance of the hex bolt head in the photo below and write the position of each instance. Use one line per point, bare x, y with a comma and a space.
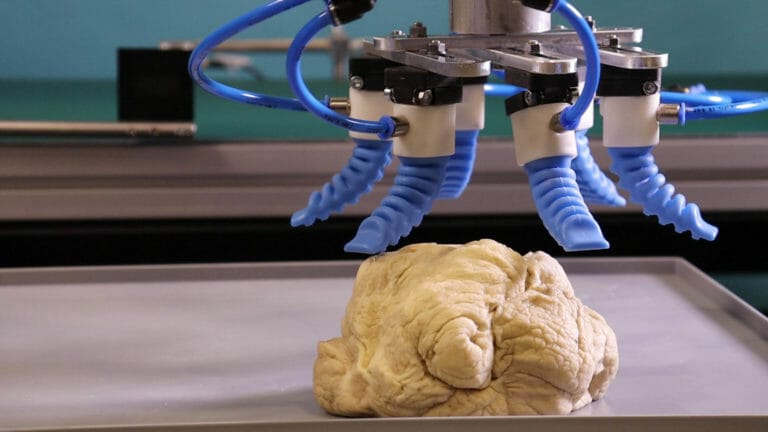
356, 82
417, 30
528, 98
534, 47
424, 97
650, 87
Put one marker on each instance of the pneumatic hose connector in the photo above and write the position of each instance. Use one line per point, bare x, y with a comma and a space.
639, 175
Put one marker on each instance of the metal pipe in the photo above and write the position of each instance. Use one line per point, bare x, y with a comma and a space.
489, 17
97, 129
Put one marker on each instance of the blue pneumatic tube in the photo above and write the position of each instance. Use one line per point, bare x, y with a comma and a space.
384, 128
570, 117
225, 32
743, 103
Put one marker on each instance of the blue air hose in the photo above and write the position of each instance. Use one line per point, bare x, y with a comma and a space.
228, 30
595, 186
460, 165
694, 99
417, 184
502, 90
639, 175
570, 117
363, 170
384, 128
743, 102
560, 205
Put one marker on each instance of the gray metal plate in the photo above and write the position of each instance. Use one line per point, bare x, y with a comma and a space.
231, 347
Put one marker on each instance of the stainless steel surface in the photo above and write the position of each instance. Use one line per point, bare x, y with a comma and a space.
274, 179
542, 63
633, 58
496, 17
231, 347
452, 65
627, 57
97, 129
550, 38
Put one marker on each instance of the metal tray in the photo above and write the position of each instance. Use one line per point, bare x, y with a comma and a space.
231, 347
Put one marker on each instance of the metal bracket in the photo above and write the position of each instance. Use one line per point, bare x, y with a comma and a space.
474, 55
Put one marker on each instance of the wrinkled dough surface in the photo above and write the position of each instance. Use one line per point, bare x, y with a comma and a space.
459, 330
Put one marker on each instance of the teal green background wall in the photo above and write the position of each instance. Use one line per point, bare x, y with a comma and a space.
76, 39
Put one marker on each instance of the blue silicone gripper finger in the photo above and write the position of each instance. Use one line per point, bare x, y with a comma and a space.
363, 170
460, 165
560, 205
417, 184
639, 175
595, 186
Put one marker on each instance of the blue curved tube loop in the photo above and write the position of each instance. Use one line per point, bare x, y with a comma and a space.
201, 51
570, 117
417, 183
639, 174
694, 99
595, 186
364, 169
458, 172
743, 102
561, 206
384, 128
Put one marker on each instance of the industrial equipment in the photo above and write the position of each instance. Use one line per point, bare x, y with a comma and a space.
421, 98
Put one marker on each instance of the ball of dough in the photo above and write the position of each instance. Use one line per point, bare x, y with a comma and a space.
462, 330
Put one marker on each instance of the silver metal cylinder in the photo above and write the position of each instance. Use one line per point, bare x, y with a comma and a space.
497, 17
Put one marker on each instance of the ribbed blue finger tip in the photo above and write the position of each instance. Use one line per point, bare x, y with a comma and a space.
704, 231
302, 218
582, 235
367, 242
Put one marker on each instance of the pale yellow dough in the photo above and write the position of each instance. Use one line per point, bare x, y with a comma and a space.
462, 330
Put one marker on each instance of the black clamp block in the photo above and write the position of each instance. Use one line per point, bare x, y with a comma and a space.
616, 81
367, 73
412, 86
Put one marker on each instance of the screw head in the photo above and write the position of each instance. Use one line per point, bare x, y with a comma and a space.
437, 47
424, 97
397, 33
534, 47
528, 98
612, 41
356, 82
417, 30
650, 87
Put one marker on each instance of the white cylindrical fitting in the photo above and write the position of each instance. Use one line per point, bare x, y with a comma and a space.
431, 130
470, 112
630, 121
533, 137
368, 105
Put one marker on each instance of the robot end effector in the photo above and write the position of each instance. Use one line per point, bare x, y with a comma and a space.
432, 114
